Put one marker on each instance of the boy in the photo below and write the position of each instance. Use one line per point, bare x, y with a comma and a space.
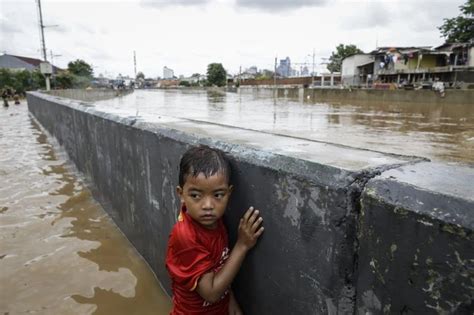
198, 259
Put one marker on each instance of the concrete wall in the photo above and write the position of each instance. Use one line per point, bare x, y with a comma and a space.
305, 263
364, 96
298, 81
416, 241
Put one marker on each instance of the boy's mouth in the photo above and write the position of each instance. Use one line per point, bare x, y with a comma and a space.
208, 216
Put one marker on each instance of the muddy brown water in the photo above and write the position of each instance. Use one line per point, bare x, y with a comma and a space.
60, 253
439, 132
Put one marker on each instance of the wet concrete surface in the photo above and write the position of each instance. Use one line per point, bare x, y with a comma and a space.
436, 131
60, 253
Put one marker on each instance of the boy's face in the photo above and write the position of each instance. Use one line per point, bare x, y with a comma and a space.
205, 198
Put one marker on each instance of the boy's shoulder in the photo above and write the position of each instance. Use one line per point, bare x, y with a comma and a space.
183, 233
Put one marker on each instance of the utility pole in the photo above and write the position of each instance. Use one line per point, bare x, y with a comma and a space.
312, 73
275, 74
43, 44
135, 63
240, 75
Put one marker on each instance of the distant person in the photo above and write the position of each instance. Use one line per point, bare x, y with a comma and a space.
198, 259
5, 97
16, 98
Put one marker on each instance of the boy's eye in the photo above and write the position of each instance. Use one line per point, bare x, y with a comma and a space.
219, 195
194, 196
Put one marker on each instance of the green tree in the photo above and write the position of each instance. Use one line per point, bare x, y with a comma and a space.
80, 68
216, 74
460, 29
184, 83
21, 81
6, 78
64, 80
140, 75
335, 61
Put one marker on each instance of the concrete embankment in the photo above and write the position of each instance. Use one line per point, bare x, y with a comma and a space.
363, 96
317, 253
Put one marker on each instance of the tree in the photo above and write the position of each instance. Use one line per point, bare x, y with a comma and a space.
460, 29
64, 80
21, 81
335, 61
140, 75
216, 74
80, 68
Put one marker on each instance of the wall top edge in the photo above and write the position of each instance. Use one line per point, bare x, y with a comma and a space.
305, 157
439, 191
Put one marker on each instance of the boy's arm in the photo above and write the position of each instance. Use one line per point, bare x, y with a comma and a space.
234, 307
212, 285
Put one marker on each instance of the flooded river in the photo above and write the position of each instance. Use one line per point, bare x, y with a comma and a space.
438, 132
59, 251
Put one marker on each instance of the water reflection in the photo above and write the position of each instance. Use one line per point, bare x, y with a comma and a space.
439, 132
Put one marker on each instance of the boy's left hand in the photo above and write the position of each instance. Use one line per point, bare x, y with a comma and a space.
234, 308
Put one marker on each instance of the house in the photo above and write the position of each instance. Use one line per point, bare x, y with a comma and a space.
357, 69
19, 63
449, 63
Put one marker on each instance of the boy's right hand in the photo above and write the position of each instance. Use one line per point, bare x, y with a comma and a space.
250, 229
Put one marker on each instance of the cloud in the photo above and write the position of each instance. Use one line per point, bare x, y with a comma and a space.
367, 15
168, 3
278, 5
7, 28
59, 29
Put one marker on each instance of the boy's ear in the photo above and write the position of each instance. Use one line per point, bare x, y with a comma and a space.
179, 191
231, 189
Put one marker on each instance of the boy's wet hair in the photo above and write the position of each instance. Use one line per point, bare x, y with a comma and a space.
203, 159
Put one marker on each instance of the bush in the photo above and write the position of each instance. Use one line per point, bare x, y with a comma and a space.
21, 81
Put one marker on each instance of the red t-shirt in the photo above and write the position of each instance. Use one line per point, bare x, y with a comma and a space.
193, 251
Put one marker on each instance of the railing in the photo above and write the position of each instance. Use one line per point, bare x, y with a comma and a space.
424, 70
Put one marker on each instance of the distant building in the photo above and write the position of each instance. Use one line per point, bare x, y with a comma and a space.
357, 69
452, 63
247, 75
304, 71
284, 68
20, 63
252, 70
168, 73
168, 83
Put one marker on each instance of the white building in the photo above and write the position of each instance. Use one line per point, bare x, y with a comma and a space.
167, 73
252, 70
353, 69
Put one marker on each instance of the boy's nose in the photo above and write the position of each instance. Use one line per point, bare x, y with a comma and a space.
207, 204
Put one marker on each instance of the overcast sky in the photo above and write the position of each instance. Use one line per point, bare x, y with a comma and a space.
187, 35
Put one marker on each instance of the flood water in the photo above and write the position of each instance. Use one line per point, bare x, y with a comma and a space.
438, 132
60, 253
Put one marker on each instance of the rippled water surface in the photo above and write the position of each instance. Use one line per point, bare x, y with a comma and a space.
60, 253
437, 132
